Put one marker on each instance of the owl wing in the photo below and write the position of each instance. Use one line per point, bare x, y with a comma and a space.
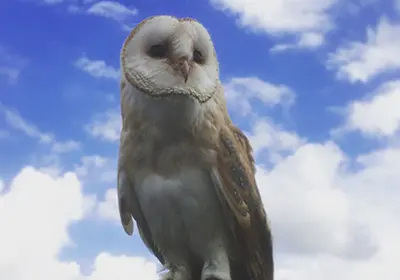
129, 207
234, 180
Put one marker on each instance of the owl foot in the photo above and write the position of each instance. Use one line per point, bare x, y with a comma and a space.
177, 273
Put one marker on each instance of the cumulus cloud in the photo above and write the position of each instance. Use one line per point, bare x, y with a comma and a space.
107, 209
332, 222
123, 267
241, 91
376, 116
361, 61
35, 217
106, 126
96, 168
265, 135
97, 68
31, 242
309, 211
277, 17
311, 40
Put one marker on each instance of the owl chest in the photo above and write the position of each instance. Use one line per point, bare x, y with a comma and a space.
182, 210
190, 189
166, 152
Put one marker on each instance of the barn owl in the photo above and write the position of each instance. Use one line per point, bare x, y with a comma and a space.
186, 174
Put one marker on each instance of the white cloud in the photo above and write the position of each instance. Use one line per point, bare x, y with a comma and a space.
88, 162
123, 268
112, 10
62, 147
35, 215
397, 5
266, 135
108, 208
14, 119
278, 17
106, 126
97, 68
308, 40
330, 222
240, 91
362, 61
306, 207
311, 40
34, 218
377, 116
97, 168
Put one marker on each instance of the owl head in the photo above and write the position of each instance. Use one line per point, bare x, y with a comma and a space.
164, 56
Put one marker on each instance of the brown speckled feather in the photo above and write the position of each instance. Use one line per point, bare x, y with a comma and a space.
237, 174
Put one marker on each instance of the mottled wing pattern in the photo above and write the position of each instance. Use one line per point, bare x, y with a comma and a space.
237, 184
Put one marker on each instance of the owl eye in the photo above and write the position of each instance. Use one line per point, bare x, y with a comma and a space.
158, 51
198, 57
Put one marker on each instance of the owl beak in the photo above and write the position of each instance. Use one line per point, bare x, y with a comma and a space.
184, 68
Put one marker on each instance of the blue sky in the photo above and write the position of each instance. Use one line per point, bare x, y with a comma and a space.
314, 86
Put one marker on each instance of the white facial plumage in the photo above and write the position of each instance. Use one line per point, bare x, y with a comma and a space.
165, 55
